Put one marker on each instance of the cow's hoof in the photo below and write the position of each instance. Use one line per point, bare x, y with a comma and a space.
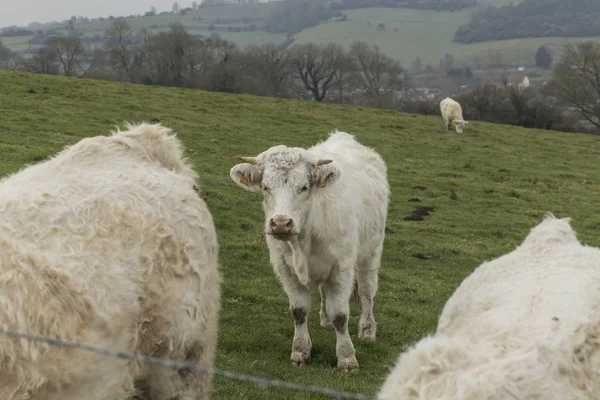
348, 364
367, 332
299, 358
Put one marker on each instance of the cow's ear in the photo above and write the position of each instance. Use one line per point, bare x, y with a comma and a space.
324, 175
246, 175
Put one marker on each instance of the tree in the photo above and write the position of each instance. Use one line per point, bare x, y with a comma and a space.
168, 56
417, 65
267, 70
575, 80
43, 62
380, 76
153, 10
69, 52
121, 53
194, 5
342, 78
543, 58
315, 67
5, 55
175, 8
447, 62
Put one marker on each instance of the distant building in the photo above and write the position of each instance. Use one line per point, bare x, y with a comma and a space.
519, 81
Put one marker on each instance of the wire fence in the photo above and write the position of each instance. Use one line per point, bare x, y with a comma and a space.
262, 382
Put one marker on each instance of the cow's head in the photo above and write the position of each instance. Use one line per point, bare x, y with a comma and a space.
459, 125
289, 178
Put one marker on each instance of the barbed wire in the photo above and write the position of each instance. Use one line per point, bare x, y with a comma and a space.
262, 382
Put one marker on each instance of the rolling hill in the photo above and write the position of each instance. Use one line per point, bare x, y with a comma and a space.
408, 33
504, 177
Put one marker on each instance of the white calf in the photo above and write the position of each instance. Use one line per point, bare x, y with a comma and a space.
325, 210
452, 114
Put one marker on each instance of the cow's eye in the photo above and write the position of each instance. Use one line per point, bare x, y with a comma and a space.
266, 189
304, 189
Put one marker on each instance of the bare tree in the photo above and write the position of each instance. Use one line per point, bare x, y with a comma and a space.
99, 67
315, 67
168, 56
576, 80
267, 70
43, 62
69, 52
223, 75
5, 56
119, 45
342, 78
377, 74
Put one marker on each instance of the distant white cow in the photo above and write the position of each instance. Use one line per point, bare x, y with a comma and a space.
452, 114
107, 244
325, 210
523, 326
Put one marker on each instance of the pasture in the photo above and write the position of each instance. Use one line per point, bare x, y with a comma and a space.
504, 179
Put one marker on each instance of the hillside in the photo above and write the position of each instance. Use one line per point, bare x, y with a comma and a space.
405, 35
533, 18
505, 178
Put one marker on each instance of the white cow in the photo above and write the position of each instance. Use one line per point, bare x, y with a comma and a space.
452, 114
325, 210
108, 244
523, 326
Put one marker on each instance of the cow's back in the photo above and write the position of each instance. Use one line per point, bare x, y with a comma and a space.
363, 184
92, 239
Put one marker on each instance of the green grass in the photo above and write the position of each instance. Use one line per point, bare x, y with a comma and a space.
505, 179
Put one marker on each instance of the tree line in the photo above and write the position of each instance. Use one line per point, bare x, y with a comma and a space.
533, 18
361, 75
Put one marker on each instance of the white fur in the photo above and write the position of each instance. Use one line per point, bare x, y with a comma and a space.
107, 244
523, 326
452, 114
338, 232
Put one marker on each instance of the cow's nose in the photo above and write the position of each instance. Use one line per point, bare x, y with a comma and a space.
281, 224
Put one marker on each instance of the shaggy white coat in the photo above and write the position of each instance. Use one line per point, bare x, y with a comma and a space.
339, 210
107, 244
523, 326
452, 114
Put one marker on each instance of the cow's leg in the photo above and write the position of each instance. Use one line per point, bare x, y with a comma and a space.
109, 379
183, 329
338, 290
299, 298
367, 279
325, 320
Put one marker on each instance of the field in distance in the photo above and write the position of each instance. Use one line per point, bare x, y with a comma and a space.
408, 33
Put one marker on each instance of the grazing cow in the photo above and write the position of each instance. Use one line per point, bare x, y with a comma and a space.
523, 326
452, 114
325, 210
108, 244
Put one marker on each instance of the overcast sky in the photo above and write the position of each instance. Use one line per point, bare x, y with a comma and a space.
23, 12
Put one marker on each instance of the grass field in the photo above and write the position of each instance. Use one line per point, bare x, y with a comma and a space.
420, 33
505, 178
427, 34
